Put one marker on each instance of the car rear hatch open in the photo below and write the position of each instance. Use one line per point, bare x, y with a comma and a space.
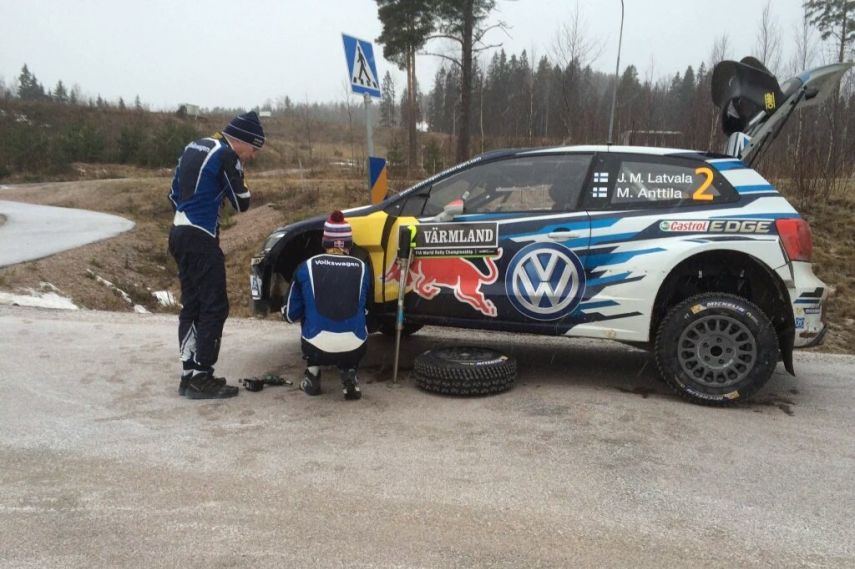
754, 107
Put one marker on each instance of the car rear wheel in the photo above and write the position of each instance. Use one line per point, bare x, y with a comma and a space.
464, 370
716, 348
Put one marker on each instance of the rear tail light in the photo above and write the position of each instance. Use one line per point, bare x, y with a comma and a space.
796, 238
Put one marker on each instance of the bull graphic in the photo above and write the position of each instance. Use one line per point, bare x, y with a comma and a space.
428, 275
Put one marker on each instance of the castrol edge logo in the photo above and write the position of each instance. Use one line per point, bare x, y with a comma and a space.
715, 226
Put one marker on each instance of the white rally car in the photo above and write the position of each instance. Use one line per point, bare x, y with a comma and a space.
694, 255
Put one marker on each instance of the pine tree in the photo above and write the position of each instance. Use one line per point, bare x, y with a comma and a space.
29, 89
60, 94
460, 21
406, 26
387, 102
834, 19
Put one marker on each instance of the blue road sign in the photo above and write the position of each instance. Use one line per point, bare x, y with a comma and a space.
361, 69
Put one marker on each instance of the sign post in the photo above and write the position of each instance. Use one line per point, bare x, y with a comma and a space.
362, 74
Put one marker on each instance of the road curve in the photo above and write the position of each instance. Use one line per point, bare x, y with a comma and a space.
34, 231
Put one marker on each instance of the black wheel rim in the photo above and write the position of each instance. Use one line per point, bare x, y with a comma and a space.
466, 355
717, 351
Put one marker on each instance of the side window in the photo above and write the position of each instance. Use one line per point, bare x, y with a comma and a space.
414, 205
521, 184
641, 181
410, 206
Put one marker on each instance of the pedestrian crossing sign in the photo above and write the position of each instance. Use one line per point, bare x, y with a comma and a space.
362, 71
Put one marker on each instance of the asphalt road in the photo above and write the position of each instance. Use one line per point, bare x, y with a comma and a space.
35, 231
587, 462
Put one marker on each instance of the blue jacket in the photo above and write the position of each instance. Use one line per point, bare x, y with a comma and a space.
329, 294
208, 172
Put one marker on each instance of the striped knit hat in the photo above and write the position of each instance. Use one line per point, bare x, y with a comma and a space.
337, 232
246, 127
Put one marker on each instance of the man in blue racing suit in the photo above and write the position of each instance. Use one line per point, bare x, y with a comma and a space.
329, 293
209, 173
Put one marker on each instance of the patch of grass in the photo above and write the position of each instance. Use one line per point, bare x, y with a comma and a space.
227, 218
139, 294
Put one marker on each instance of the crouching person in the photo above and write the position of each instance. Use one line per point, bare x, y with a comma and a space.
328, 295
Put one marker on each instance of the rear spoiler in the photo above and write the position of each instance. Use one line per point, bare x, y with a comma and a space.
754, 107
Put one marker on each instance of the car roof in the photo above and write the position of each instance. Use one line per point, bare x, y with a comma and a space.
654, 150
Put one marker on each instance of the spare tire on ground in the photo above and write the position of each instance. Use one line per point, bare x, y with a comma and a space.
464, 370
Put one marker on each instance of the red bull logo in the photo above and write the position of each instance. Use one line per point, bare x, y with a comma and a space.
428, 275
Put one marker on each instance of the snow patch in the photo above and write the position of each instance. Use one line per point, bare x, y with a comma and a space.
164, 297
39, 298
125, 296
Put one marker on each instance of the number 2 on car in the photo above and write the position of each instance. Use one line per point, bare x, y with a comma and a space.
700, 194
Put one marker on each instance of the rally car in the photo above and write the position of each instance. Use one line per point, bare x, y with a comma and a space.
691, 254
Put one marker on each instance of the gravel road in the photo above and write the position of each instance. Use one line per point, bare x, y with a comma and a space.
30, 231
587, 462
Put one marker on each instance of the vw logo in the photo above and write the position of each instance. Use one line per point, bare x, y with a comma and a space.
545, 281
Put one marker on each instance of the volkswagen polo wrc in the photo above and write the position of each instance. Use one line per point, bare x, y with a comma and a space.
694, 255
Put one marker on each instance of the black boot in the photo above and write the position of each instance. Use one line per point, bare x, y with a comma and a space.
350, 385
311, 384
185, 380
203, 385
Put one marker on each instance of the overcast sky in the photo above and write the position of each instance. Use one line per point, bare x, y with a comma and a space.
239, 53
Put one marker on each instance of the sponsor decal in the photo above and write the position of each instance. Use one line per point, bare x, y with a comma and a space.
769, 101
545, 281
732, 395
428, 275
697, 308
684, 225
740, 226
457, 239
715, 226
813, 310
336, 263
800, 323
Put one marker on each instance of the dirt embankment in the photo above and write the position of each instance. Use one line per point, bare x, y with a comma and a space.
138, 261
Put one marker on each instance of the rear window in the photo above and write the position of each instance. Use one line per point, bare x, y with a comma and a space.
657, 181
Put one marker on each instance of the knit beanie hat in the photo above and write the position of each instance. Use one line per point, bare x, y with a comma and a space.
246, 127
337, 232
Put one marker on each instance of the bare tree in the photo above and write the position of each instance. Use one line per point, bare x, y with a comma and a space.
572, 44
804, 51
573, 50
720, 52
767, 44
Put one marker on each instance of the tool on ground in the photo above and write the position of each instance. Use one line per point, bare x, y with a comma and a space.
406, 246
258, 383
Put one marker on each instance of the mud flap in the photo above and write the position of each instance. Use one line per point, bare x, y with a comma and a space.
785, 344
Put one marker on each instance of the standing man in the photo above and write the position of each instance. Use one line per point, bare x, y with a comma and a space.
329, 294
209, 172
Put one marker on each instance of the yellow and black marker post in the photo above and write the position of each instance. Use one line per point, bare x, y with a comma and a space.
406, 246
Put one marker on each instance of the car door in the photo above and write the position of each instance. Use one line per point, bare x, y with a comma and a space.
645, 209
535, 280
